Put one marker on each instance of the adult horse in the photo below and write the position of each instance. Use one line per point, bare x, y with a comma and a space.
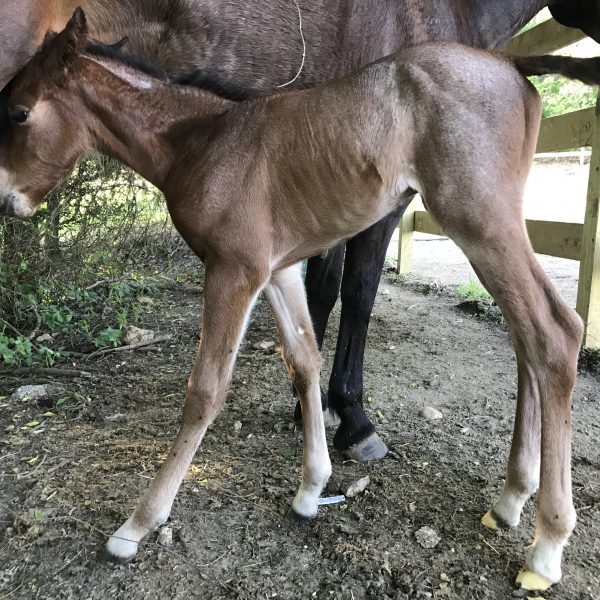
257, 45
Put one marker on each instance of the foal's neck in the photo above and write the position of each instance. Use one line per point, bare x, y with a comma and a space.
137, 119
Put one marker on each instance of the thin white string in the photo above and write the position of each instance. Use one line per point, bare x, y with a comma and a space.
303, 49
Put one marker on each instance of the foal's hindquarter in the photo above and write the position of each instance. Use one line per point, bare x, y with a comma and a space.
431, 121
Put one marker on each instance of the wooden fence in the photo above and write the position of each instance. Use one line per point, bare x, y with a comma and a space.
567, 240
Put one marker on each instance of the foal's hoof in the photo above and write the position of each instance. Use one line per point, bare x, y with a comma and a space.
528, 580
371, 448
121, 546
492, 521
296, 517
105, 556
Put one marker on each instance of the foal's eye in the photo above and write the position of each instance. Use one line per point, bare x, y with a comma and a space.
18, 115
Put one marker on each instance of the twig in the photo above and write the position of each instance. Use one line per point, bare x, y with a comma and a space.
89, 288
46, 371
156, 340
492, 547
37, 325
220, 490
13, 329
303, 50
34, 471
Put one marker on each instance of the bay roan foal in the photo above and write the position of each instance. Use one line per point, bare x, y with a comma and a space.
256, 186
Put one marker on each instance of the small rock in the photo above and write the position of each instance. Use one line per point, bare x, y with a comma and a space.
264, 346
36, 392
431, 413
360, 485
165, 537
385, 292
427, 537
45, 337
135, 335
280, 427
237, 426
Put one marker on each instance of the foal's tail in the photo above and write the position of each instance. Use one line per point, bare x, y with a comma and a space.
582, 69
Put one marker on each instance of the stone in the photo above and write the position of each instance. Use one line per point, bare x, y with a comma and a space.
165, 536
36, 392
427, 537
237, 426
359, 486
264, 345
135, 335
431, 413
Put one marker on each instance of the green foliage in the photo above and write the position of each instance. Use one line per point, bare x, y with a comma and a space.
560, 95
472, 291
62, 272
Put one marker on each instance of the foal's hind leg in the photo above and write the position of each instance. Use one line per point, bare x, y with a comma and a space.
523, 472
547, 336
222, 329
286, 296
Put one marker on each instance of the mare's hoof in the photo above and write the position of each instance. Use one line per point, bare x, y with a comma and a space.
371, 448
492, 521
528, 580
296, 517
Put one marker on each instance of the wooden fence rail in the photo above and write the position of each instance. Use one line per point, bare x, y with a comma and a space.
566, 240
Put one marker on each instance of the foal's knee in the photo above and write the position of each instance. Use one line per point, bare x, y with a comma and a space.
304, 369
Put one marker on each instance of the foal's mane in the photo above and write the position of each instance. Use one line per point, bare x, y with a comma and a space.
204, 80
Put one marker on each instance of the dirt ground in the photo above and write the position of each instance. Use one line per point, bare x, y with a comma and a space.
77, 473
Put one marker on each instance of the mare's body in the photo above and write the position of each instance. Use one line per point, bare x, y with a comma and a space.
254, 187
256, 46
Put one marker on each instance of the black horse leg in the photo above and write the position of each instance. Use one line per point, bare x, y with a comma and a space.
323, 279
365, 255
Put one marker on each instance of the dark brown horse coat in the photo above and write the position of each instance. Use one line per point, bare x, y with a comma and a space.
255, 186
256, 46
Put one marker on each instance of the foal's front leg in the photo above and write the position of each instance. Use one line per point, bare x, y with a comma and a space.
222, 329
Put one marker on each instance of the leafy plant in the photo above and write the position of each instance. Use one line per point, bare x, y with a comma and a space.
473, 291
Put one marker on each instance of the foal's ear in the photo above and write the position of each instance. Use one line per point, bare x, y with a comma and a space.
60, 49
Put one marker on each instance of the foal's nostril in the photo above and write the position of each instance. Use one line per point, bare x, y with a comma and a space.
6, 207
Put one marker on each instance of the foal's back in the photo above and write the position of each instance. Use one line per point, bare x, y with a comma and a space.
331, 161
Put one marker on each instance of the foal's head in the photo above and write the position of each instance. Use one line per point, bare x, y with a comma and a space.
40, 136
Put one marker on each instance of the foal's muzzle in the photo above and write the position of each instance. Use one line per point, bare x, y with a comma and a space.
12, 205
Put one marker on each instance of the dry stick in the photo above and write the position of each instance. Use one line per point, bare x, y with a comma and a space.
156, 340
46, 371
13, 329
89, 288
303, 49
102, 532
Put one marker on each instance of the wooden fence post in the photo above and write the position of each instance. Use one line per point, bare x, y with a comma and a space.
588, 291
406, 228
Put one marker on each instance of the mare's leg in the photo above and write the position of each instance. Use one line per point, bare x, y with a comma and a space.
286, 296
222, 329
365, 255
547, 335
323, 279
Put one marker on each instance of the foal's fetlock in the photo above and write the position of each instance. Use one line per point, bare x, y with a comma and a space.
542, 567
